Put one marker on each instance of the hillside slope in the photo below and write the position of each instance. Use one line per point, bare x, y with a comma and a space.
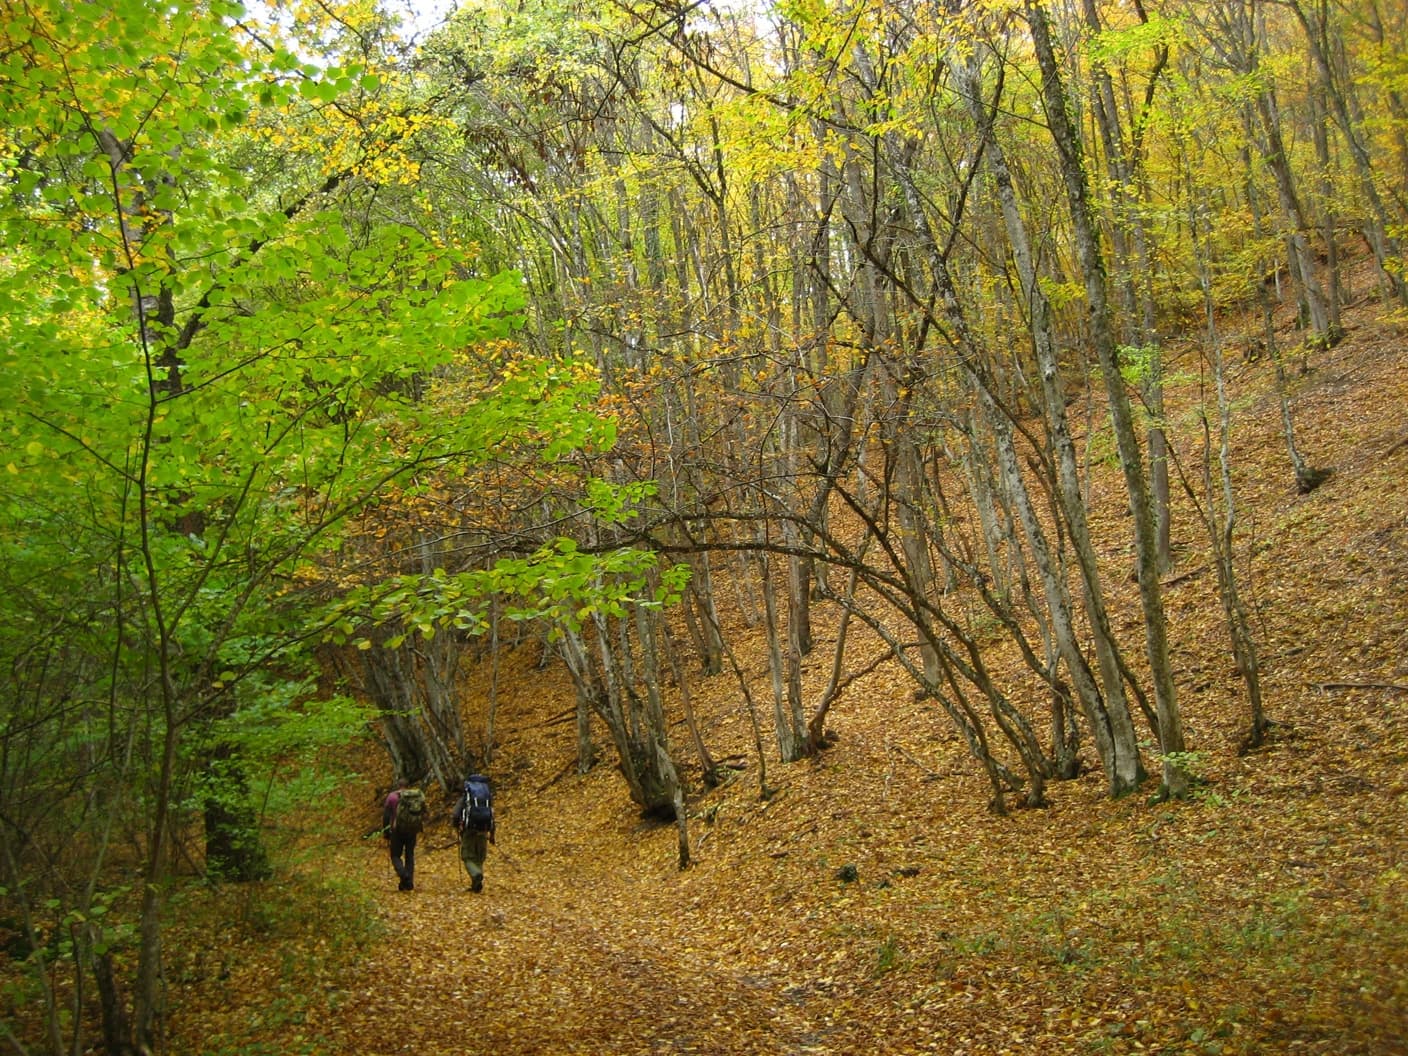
1268, 914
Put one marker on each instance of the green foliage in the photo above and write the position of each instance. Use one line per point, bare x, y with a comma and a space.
267, 759
174, 464
1138, 363
612, 504
560, 584
888, 956
215, 348
1101, 447
1111, 46
321, 924
1061, 294
1193, 763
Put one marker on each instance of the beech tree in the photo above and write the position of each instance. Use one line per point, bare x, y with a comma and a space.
861, 259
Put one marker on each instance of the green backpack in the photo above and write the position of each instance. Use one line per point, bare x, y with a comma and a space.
410, 812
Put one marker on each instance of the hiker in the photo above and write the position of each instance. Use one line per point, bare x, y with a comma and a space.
474, 819
402, 817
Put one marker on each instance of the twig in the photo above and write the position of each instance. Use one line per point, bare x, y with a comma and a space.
508, 859
556, 720
557, 776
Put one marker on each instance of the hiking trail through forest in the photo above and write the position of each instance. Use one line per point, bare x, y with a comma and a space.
871, 903
562, 953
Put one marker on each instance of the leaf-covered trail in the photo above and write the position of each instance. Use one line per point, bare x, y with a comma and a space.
554, 956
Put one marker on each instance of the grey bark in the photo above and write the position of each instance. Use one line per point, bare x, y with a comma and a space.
1171, 737
1107, 713
1388, 250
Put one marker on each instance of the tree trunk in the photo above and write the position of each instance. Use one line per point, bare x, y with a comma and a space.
1132, 258
1306, 478
1119, 753
1244, 651
590, 694
789, 730
707, 766
1302, 260
657, 728
1388, 251
390, 680
1171, 739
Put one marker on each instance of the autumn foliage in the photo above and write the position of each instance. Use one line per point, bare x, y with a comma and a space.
904, 499
872, 902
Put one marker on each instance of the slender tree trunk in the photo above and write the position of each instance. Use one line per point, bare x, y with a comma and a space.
1393, 100
791, 733
657, 727
486, 747
1222, 526
1244, 650
1302, 260
1132, 258
816, 726
707, 766
1108, 714
590, 693
148, 1027
1171, 738
1328, 217
1307, 479
1388, 250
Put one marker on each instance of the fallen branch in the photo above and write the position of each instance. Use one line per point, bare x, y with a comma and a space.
1394, 687
1186, 575
556, 720
930, 775
557, 776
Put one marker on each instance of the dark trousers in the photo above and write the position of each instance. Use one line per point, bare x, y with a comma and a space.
404, 847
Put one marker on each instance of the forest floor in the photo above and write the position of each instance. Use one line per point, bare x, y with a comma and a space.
1266, 914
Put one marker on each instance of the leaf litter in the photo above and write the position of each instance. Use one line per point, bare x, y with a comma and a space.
872, 903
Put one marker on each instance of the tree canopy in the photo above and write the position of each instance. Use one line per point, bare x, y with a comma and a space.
333, 353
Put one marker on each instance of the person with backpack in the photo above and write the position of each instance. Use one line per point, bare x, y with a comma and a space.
402, 818
474, 820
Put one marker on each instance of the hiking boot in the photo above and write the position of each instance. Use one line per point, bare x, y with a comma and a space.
477, 884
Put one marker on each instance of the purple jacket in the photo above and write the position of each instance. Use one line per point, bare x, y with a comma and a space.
388, 812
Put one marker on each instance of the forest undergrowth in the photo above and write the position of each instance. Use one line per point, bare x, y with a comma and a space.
872, 903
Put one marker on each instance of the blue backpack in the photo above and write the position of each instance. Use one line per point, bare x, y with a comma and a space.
476, 807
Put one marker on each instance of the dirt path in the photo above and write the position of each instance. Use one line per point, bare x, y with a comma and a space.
557, 956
